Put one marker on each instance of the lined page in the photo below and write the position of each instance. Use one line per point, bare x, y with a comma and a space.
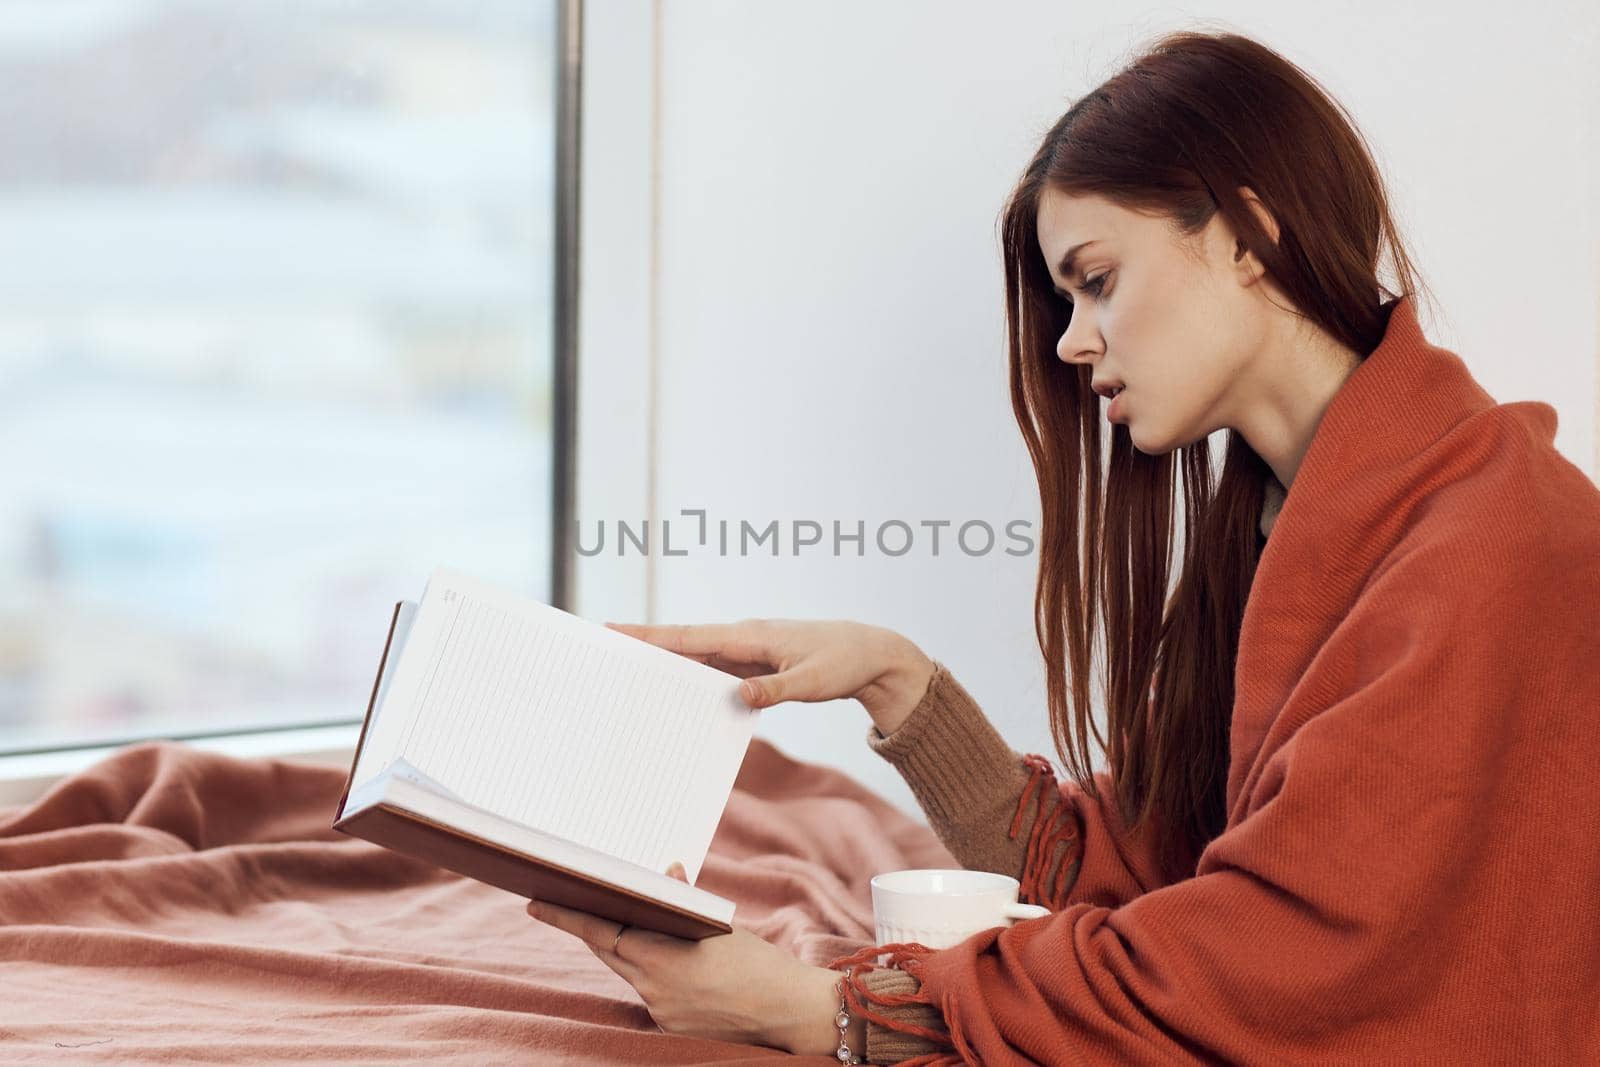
563, 725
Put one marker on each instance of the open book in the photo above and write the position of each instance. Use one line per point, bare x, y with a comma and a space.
539, 752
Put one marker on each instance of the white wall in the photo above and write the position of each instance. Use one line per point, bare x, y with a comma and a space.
792, 289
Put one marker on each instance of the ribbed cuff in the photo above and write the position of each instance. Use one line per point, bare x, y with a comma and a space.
962, 772
885, 1044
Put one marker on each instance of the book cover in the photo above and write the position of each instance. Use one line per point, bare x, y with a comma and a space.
545, 754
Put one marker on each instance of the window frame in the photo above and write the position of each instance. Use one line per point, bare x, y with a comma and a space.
26, 774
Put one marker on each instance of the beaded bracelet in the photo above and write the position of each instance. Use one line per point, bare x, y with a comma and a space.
842, 1021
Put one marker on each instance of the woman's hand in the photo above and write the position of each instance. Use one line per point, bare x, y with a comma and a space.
729, 987
810, 660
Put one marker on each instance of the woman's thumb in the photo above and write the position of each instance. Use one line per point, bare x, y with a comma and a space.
770, 689
756, 691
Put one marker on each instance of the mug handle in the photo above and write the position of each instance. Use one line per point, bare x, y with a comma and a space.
1025, 911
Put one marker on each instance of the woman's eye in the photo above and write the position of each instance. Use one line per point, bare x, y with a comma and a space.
1092, 286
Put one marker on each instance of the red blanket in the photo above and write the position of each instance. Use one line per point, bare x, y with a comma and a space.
172, 904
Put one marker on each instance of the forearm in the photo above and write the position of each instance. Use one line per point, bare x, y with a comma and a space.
809, 1028
902, 680
968, 781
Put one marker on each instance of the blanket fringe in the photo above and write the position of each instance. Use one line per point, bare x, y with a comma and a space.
1043, 883
1058, 825
906, 955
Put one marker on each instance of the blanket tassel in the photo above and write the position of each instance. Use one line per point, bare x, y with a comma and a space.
1059, 826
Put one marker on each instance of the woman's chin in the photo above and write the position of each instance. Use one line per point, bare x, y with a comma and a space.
1138, 439
1142, 440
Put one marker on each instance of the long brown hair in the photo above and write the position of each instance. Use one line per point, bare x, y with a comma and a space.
1176, 133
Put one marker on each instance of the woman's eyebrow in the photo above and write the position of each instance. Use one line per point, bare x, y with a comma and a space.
1069, 262
1068, 266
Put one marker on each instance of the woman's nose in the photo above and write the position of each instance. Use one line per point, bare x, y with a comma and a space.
1075, 347
1080, 341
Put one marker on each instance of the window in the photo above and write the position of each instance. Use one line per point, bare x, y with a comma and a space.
275, 320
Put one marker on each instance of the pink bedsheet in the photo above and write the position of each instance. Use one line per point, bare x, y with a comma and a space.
170, 904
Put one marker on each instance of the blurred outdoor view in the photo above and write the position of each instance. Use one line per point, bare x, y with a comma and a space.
274, 342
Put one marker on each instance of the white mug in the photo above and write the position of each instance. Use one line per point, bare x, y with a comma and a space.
940, 908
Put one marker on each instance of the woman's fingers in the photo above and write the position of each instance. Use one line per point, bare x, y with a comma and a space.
798, 683
599, 934
730, 641
688, 640
737, 668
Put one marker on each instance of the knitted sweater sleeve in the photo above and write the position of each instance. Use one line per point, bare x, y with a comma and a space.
968, 781
995, 810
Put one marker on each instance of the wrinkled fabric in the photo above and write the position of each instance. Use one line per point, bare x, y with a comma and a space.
1412, 851
168, 904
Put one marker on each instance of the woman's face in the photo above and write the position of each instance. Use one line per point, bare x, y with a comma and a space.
1177, 325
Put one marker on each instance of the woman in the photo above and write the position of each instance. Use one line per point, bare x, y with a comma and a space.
1349, 814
